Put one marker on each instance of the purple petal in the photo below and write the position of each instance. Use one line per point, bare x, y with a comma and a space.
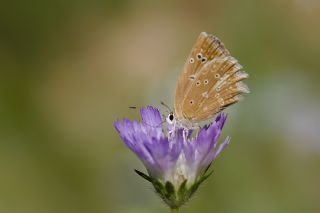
220, 119
201, 152
222, 146
149, 143
151, 116
163, 153
133, 136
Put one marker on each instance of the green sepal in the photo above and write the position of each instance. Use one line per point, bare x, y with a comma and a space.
196, 185
182, 189
170, 191
144, 176
160, 189
173, 197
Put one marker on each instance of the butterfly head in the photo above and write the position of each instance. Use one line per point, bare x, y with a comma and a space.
171, 118
174, 121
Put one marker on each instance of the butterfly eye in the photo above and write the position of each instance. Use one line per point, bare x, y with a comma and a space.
170, 118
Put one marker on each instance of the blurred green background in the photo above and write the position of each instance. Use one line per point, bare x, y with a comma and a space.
70, 68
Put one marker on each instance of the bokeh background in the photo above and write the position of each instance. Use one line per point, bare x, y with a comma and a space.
70, 68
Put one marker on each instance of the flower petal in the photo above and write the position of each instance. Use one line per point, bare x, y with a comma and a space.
222, 146
200, 152
151, 116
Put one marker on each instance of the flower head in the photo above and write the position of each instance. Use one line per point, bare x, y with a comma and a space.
177, 161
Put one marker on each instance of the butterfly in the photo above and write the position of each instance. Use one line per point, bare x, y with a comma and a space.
210, 81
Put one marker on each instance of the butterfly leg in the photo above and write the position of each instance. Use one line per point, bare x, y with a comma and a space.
171, 135
171, 132
185, 135
198, 128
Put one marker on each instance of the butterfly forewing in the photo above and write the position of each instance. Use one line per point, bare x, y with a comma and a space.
206, 48
210, 83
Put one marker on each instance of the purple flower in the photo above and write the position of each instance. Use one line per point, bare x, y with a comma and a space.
177, 160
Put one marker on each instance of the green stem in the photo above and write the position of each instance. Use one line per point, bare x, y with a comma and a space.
174, 210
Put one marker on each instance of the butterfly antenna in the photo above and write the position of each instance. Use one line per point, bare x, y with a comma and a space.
165, 105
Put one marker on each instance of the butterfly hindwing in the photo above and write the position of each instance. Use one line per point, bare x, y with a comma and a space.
205, 94
223, 95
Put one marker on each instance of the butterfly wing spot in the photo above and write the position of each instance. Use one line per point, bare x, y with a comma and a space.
191, 60
191, 102
199, 56
213, 67
205, 95
221, 101
192, 77
206, 81
218, 89
198, 83
203, 60
204, 72
217, 75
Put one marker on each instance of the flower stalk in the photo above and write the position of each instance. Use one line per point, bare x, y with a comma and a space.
174, 210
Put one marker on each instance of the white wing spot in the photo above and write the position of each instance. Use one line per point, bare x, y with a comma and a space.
205, 95
206, 81
199, 56
191, 60
213, 68
198, 83
217, 75
204, 72
221, 101
192, 77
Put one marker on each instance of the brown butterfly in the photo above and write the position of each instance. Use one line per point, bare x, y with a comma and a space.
210, 81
